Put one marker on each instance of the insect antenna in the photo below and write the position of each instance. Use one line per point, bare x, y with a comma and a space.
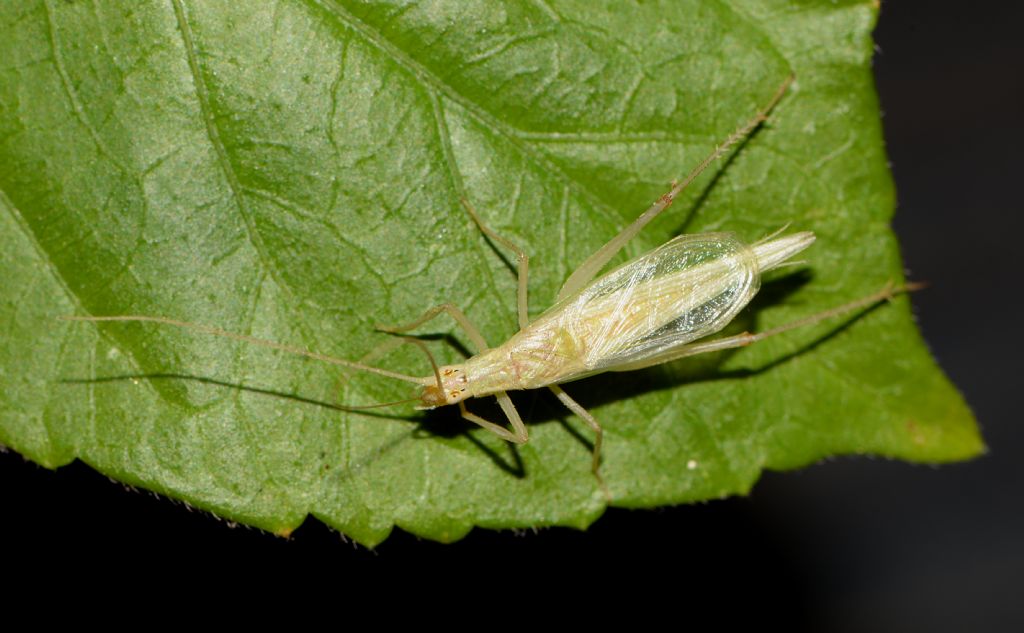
206, 329
379, 405
430, 357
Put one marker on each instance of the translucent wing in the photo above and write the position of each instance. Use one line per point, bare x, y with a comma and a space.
688, 288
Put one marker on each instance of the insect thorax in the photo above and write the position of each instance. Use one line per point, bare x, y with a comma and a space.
541, 354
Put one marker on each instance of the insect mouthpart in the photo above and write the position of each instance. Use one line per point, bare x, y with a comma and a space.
432, 397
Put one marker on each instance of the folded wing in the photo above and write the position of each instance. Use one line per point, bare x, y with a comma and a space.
688, 288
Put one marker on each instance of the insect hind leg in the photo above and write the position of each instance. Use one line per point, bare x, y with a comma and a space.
742, 340
593, 264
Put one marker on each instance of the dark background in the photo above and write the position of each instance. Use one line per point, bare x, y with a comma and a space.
848, 545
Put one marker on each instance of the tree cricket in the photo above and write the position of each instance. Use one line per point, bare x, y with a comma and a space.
657, 308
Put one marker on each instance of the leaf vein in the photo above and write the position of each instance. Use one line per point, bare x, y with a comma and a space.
213, 133
72, 94
430, 80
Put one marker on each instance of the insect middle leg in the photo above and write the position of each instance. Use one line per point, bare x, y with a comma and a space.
592, 422
572, 405
523, 265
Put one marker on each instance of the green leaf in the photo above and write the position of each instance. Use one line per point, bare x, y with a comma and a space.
291, 170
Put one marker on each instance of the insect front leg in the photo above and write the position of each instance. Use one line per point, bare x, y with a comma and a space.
519, 435
380, 351
457, 314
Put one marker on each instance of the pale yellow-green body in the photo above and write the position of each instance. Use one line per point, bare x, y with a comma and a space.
637, 315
